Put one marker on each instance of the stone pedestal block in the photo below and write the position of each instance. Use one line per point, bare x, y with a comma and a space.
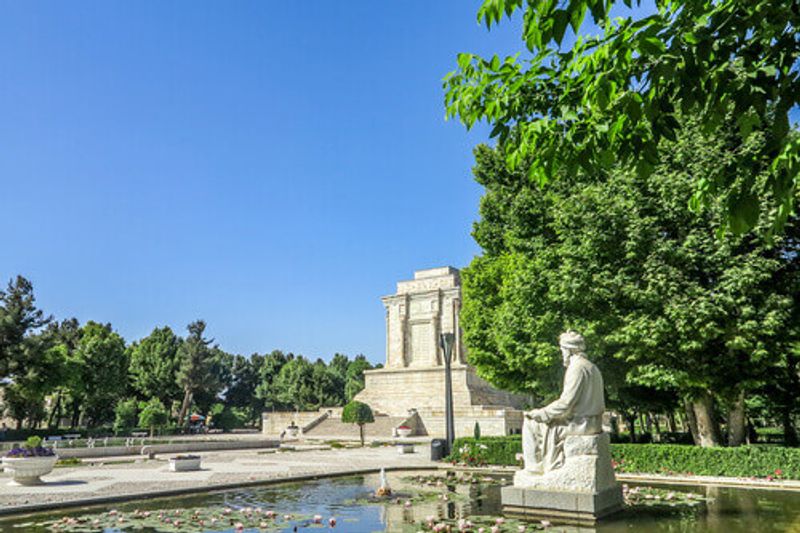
579, 508
582, 491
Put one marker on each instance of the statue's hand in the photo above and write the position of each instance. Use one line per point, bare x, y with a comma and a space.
536, 415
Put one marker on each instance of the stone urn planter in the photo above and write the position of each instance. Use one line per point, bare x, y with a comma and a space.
184, 463
28, 470
404, 431
292, 431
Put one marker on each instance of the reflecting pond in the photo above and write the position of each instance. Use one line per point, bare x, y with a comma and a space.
419, 502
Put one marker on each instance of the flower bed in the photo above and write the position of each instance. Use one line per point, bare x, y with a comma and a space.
767, 462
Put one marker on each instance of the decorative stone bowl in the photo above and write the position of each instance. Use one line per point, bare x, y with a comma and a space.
184, 463
404, 432
28, 470
292, 431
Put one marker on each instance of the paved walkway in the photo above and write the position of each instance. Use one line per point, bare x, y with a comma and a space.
224, 469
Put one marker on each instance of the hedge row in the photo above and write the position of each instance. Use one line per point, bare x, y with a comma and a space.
743, 461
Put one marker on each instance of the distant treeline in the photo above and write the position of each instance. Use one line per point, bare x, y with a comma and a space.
63, 373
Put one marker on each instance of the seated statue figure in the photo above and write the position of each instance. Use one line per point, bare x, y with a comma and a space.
567, 471
578, 411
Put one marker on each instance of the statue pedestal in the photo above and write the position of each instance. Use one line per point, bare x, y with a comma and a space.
580, 492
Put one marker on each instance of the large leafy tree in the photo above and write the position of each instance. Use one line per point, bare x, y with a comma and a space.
663, 301
154, 364
30, 368
328, 385
196, 369
102, 372
294, 385
266, 390
244, 381
354, 377
616, 95
20, 319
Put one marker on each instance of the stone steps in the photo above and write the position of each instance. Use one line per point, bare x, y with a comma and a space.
335, 428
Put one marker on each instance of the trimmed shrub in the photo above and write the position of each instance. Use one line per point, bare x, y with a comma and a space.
486, 450
125, 416
358, 413
743, 461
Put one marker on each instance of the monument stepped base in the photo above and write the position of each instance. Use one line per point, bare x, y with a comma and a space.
401, 391
581, 491
574, 508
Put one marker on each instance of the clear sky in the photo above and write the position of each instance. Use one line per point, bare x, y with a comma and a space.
271, 167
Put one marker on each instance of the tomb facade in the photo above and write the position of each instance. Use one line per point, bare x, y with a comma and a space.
412, 380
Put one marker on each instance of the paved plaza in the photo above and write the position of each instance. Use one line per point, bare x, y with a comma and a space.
226, 469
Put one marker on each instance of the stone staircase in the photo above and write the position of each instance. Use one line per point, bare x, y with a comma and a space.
334, 428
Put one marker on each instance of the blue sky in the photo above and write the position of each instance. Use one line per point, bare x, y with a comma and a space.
273, 168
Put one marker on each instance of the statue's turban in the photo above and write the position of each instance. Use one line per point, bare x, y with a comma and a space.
572, 341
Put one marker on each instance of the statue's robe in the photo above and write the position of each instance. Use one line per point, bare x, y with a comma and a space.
578, 411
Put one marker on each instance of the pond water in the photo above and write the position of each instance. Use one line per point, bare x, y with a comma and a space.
418, 502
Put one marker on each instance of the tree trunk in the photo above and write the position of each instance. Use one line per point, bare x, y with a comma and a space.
361, 432
707, 431
691, 420
187, 401
630, 421
736, 422
76, 414
55, 412
789, 432
673, 428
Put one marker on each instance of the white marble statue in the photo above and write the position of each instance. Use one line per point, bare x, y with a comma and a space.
567, 471
578, 411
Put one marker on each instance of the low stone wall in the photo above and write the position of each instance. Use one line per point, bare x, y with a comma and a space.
493, 422
178, 447
273, 423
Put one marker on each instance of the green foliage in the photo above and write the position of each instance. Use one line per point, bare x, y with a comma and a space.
33, 442
742, 461
19, 319
476, 431
618, 96
242, 391
154, 363
197, 365
226, 418
102, 368
196, 360
354, 378
269, 370
358, 413
153, 415
487, 450
328, 384
125, 415
294, 384
86, 373
664, 303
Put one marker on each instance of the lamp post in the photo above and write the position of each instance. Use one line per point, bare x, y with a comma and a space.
446, 341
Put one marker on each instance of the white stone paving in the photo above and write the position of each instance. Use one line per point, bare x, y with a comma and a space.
219, 468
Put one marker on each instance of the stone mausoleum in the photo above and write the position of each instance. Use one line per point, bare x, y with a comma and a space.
409, 390
413, 380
